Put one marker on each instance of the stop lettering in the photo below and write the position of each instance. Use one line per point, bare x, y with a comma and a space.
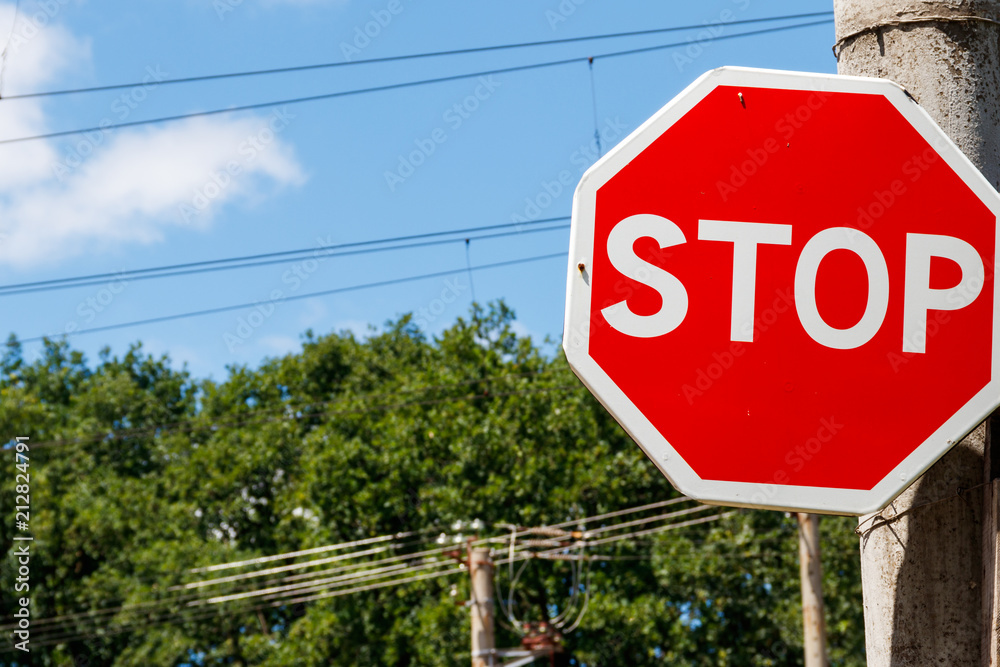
919, 297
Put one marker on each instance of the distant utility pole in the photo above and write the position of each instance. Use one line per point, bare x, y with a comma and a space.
928, 589
811, 573
481, 608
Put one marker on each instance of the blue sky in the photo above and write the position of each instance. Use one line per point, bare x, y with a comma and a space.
316, 173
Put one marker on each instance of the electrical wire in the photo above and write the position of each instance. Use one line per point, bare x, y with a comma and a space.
593, 99
358, 568
651, 531
189, 601
326, 590
598, 517
346, 580
586, 605
507, 609
279, 568
413, 56
48, 640
319, 255
317, 584
576, 569
295, 297
335, 593
558, 620
296, 566
395, 86
638, 522
368, 573
423, 554
304, 552
616, 538
184, 598
265, 259
380, 563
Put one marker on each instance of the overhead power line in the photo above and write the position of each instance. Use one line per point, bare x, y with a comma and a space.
662, 529
74, 636
303, 552
97, 615
284, 568
522, 555
334, 587
296, 297
399, 559
396, 86
319, 584
389, 538
619, 538
649, 519
412, 56
340, 585
267, 259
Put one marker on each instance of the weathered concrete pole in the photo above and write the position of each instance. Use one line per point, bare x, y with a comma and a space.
483, 644
923, 572
811, 576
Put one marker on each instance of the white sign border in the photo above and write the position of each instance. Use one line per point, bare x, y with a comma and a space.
670, 463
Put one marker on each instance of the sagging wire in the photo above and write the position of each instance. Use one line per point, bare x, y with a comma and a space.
593, 97
586, 604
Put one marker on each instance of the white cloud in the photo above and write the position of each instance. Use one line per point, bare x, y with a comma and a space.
126, 187
38, 50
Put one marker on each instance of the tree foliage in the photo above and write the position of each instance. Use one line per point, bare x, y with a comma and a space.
151, 473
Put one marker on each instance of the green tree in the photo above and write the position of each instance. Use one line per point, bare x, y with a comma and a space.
151, 473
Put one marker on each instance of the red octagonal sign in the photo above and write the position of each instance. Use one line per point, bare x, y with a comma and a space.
781, 285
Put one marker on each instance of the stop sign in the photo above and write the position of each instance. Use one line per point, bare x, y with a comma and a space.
781, 285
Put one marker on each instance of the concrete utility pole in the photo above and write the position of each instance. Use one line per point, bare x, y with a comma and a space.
483, 643
923, 572
811, 573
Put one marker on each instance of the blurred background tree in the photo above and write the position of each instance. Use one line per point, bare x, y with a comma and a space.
151, 473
